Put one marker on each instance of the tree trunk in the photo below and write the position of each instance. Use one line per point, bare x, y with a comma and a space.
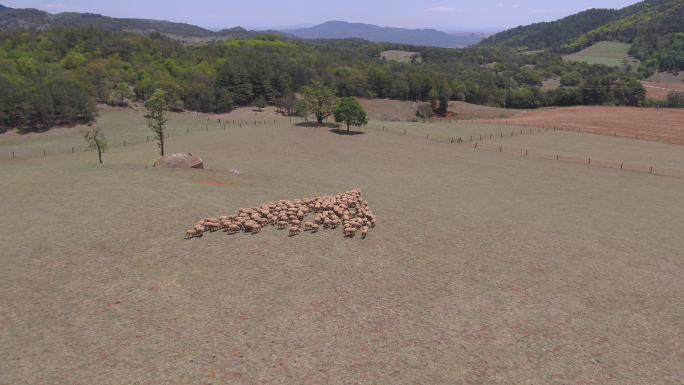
348, 129
99, 153
161, 144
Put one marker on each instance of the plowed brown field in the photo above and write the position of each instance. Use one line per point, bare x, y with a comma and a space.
664, 125
659, 91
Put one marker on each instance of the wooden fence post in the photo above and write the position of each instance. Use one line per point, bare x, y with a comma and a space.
12, 154
44, 152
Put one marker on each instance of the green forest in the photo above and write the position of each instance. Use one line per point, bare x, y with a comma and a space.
655, 28
57, 76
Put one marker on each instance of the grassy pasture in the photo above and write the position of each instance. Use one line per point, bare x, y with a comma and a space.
485, 268
608, 53
401, 56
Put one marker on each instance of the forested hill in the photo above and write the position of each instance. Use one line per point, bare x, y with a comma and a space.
654, 27
553, 34
36, 19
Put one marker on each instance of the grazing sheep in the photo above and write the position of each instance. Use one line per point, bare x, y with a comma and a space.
348, 209
349, 232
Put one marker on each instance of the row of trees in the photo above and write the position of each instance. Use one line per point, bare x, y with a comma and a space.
57, 76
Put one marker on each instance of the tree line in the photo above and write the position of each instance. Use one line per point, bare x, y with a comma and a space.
56, 77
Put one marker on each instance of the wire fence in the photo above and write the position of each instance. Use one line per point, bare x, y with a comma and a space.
643, 135
42, 146
483, 142
477, 142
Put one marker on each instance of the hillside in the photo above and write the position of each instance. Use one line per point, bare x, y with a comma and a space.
374, 33
36, 19
655, 28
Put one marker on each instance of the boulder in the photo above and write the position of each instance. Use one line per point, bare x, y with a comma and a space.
179, 160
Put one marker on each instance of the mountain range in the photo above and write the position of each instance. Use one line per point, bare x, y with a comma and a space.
37, 19
374, 33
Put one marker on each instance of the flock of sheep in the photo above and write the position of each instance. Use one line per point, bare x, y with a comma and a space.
347, 210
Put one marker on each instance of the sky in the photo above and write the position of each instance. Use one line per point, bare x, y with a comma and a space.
450, 15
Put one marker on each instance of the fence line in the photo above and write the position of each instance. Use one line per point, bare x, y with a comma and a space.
595, 131
476, 142
482, 145
15, 151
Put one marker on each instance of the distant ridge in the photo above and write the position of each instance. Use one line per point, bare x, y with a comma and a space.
29, 18
374, 33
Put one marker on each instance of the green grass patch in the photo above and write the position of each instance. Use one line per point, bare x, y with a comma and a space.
608, 53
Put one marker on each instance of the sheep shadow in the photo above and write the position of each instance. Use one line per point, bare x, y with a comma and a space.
339, 131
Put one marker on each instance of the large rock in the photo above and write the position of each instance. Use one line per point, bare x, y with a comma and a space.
179, 161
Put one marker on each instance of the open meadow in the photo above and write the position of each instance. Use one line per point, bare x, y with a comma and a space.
485, 267
610, 53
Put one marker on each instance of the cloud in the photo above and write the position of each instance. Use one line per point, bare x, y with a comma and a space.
441, 9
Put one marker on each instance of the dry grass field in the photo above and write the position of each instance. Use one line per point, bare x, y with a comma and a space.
405, 111
485, 267
401, 56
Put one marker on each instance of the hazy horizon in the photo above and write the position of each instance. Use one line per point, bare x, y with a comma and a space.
452, 16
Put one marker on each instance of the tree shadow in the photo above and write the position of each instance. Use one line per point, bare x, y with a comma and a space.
339, 131
314, 124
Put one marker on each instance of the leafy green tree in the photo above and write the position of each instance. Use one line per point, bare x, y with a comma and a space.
320, 101
156, 116
120, 93
260, 102
350, 112
443, 106
675, 99
96, 141
302, 110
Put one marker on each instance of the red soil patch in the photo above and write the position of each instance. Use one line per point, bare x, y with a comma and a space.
659, 91
664, 125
